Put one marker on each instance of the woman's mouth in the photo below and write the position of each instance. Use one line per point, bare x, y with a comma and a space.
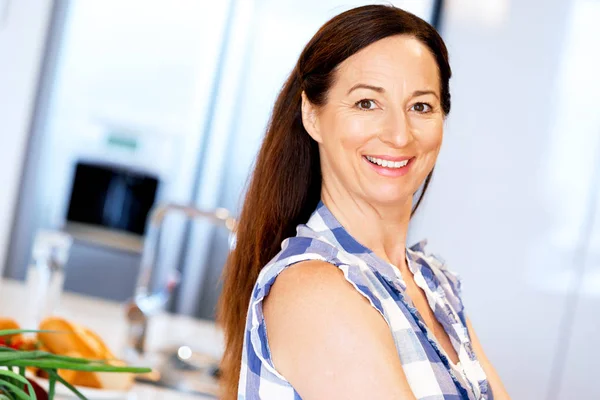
390, 167
387, 163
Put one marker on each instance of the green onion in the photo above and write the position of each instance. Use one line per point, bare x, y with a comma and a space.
10, 332
68, 385
13, 382
51, 383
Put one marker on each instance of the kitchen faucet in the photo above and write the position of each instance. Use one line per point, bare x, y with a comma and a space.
146, 303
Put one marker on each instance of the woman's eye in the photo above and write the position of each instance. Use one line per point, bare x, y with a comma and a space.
421, 107
366, 104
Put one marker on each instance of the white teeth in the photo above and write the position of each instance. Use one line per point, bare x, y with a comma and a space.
386, 163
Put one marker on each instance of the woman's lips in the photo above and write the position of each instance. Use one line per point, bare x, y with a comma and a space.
389, 166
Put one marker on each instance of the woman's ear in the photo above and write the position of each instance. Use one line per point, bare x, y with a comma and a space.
310, 118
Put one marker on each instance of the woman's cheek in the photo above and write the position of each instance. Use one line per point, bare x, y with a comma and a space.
356, 131
434, 142
428, 135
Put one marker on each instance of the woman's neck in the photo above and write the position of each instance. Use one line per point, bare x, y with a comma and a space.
381, 229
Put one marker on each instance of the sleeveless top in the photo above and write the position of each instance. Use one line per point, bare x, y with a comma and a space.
429, 371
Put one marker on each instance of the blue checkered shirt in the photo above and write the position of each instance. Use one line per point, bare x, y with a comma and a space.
430, 373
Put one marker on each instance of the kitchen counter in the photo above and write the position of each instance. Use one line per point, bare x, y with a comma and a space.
108, 320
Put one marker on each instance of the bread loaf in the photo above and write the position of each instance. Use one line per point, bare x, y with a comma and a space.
70, 339
9, 324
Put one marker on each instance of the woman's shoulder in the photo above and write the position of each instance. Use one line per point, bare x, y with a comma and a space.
322, 286
312, 280
294, 250
304, 282
320, 324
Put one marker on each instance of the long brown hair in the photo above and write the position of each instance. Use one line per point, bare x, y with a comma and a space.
285, 186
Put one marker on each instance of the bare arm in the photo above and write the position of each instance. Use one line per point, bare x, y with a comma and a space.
494, 380
328, 341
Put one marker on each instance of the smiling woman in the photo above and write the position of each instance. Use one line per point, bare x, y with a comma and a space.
382, 119
322, 299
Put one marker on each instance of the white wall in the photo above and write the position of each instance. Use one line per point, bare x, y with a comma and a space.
507, 208
23, 28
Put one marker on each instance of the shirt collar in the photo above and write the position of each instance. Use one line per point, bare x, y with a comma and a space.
324, 226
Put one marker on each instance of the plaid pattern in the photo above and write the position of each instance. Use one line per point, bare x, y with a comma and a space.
430, 373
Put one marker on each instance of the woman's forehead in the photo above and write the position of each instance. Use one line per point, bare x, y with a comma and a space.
391, 61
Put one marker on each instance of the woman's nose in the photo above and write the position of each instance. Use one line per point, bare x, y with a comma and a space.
397, 131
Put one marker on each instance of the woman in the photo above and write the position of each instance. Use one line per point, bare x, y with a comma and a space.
321, 257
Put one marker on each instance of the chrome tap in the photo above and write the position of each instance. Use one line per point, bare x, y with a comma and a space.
144, 304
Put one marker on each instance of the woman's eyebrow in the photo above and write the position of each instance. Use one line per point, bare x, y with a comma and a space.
418, 93
365, 86
379, 89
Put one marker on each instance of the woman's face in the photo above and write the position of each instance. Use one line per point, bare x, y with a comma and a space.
380, 131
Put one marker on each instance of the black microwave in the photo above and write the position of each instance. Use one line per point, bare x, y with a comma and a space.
111, 197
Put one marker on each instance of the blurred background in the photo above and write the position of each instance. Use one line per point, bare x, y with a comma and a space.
109, 108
